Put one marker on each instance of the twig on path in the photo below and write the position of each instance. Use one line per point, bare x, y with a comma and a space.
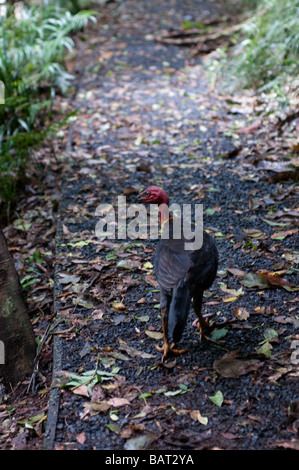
92, 282
37, 357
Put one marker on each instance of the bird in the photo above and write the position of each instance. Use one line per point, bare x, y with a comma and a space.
182, 274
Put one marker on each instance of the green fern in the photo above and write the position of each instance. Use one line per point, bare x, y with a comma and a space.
266, 54
33, 45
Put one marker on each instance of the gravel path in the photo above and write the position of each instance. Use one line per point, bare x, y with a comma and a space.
147, 117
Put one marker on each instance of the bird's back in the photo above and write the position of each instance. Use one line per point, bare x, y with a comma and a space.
174, 263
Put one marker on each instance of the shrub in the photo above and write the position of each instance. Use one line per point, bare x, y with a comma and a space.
267, 54
33, 42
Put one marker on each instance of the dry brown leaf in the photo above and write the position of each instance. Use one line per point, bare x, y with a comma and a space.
154, 334
132, 351
285, 233
230, 366
241, 313
129, 191
81, 390
236, 272
81, 438
196, 416
275, 280
116, 402
97, 314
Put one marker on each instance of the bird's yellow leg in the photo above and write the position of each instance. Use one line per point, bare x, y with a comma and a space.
166, 349
202, 323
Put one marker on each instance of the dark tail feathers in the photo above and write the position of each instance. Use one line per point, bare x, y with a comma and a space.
179, 310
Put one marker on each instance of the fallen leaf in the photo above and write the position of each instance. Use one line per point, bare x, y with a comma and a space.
143, 318
119, 306
293, 444
270, 334
97, 407
140, 442
148, 265
284, 234
69, 278
81, 438
288, 175
232, 367
127, 432
281, 371
236, 272
129, 191
249, 129
150, 279
117, 319
81, 390
113, 427
217, 399
277, 166
173, 393
229, 435
218, 333
132, 351
265, 349
255, 280
154, 334
98, 394
232, 292
144, 167
274, 279
117, 355
229, 299
144, 412
241, 313
196, 416
116, 402
253, 233
97, 314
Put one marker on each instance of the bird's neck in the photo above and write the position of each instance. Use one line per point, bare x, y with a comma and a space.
164, 213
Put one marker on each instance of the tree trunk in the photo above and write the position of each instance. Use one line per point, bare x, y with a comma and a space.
17, 341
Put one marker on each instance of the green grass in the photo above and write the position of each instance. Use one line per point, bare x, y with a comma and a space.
266, 56
33, 45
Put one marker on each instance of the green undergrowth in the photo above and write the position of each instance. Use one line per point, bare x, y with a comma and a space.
265, 56
33, 44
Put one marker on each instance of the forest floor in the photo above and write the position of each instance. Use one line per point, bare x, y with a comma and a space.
147, 115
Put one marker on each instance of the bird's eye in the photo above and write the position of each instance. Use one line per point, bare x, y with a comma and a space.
147, 193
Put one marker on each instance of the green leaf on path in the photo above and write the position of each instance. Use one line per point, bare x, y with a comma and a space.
217, 334
217, 399
265, 349
113, 427
254, 280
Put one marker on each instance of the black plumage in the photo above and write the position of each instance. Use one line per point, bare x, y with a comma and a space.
183, 275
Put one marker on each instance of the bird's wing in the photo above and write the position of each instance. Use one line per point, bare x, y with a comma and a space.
172, 263
204, 263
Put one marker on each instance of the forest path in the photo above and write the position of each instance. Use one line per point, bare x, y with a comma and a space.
147, 117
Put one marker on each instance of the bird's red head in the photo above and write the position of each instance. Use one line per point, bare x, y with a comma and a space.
153, 195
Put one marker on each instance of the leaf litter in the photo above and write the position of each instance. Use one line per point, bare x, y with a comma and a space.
174, 144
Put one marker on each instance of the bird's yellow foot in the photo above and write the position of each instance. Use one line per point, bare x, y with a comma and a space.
169, 350
203, 324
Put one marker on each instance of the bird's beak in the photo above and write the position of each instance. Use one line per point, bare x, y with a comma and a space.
140, 197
